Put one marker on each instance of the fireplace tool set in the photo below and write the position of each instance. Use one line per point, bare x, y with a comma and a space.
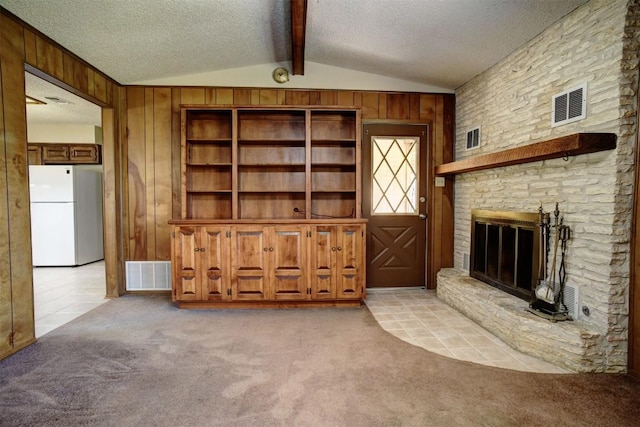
548, 297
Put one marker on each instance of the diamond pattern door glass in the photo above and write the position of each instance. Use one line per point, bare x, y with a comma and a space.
395, 175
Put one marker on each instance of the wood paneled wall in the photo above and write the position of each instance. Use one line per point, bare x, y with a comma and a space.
141, 160
22, 47
153, 154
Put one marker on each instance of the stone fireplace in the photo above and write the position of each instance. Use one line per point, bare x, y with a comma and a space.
511, 104
500, 284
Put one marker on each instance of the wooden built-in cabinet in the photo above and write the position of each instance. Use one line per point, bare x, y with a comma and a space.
276, 192
201, 263
64, 154
268, 264
338, 262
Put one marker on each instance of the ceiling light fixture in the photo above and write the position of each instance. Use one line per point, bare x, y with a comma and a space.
33, 101
280, 75
57, 100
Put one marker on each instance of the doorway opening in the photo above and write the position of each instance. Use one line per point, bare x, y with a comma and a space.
66, 226
395, 203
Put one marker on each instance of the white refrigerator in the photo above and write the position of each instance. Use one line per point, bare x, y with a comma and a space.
66, 215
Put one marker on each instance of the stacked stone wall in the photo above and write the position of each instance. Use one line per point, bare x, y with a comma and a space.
596, 44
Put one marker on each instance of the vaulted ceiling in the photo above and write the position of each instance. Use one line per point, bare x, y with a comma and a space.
442, 43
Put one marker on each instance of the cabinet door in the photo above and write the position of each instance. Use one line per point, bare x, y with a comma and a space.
323, 262
249, 263
55, 153
213, 263
350, 252
34, 154
288, 263
84, 153
185, 268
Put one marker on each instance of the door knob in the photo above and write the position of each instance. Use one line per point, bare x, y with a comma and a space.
422, 216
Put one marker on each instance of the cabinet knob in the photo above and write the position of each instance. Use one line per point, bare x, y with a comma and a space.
201, 249
265, 249
270, 249
339, 248
333, 248
196, 250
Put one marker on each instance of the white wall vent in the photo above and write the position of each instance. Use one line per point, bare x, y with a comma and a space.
569, 106
473, 139
148, 275
572, 300
465, 261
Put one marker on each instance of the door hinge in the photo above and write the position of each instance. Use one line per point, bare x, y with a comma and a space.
12, 337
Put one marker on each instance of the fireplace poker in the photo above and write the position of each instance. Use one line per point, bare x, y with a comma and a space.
565, 234
542, 267
545, 231
556, 240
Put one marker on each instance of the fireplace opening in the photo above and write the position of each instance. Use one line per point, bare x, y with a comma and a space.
505, 250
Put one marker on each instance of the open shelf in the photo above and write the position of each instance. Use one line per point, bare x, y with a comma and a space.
210, 165
271, 125
340, 154
208, 178
280, 179
209, 205
331, 178
333, 126
210, 153
209, 125
270, 205
209, 140
247, 162
570, 145
268, 154
333, 205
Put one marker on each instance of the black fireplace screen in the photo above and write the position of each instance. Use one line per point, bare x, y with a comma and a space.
505, 250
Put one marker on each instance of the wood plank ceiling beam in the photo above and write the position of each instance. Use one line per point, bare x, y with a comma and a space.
298, 30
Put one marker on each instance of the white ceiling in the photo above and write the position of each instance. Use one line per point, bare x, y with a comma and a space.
443, 43
76, 111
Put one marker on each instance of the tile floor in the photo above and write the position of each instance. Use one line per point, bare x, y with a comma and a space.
414, 315
63, 293
417, 316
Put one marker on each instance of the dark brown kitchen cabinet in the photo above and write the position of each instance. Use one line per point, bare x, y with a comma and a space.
64, 154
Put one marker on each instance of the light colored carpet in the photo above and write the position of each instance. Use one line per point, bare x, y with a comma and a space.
139, 361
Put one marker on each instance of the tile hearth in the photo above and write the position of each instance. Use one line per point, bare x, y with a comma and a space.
417, 316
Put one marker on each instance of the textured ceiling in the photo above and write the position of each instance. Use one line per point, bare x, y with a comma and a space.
437, 42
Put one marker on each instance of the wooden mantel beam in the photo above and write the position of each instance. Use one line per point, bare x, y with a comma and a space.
564, 146
298, 30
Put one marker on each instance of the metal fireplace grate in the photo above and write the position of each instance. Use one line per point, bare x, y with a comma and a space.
505, 250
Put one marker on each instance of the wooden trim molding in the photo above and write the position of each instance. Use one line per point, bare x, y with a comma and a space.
564, 146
